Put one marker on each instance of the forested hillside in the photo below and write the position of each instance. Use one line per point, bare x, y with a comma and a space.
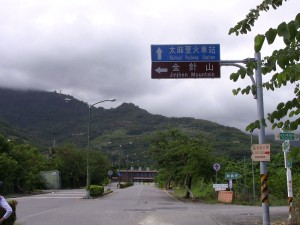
45, 119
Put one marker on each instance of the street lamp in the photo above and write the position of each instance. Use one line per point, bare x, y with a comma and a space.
88, 176
119, 172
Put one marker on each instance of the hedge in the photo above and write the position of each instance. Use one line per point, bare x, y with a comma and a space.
126, 184
96, 190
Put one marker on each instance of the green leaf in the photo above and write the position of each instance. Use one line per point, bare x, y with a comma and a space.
251, 22
267, 86
280, 105
251, 127
292, 113
297, 20
292, 30
264, 70
236, 91
234, 76
286, 41
253, 90
248, 88
258, 42
249, 72
295, 102
283, 30
271, 35
281, 63
298, 36
242, 72
232, 30
294, 125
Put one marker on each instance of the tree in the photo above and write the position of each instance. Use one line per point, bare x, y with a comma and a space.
283, 64
22, 164
9, 165
27, 157
181, 158
71, 163
99, 165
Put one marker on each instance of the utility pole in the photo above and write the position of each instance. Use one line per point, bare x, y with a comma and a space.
261, 137
253, 182
261, 140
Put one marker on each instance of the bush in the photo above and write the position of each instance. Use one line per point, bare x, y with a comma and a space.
13, 217
105, 181
126, 184
96, 190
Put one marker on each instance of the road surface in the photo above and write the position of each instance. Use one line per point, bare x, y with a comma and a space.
137, 205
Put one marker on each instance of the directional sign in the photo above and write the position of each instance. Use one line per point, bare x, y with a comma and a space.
231, 175
177, 70
185, 61
287, 136
217, 167
185, 53
260, 152
261, 155
260, 147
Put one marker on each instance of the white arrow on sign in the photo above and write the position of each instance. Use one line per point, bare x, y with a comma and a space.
161, 70
159, 53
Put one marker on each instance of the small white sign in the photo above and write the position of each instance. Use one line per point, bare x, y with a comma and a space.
220, 186
220, 189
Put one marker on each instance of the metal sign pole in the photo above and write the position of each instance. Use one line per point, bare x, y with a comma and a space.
261, 137
289, 181
290, 190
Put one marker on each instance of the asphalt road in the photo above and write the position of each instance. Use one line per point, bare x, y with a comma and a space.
137, 205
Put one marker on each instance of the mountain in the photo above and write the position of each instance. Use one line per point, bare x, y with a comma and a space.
45, 119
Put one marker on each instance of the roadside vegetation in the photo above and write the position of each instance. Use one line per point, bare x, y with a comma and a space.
22, 164
186, 171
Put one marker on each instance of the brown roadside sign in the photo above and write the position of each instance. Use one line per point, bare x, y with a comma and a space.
180, 70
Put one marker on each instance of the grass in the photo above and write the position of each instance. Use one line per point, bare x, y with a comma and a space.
205, 193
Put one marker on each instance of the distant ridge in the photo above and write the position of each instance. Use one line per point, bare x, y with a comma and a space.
40, 117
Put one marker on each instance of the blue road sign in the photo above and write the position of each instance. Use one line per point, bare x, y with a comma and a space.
185, 53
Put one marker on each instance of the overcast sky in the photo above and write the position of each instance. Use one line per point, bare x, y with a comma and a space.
100, 49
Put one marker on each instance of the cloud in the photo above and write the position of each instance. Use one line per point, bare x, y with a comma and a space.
99, 49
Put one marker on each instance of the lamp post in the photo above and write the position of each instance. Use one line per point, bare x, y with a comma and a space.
88, 176
119, 172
